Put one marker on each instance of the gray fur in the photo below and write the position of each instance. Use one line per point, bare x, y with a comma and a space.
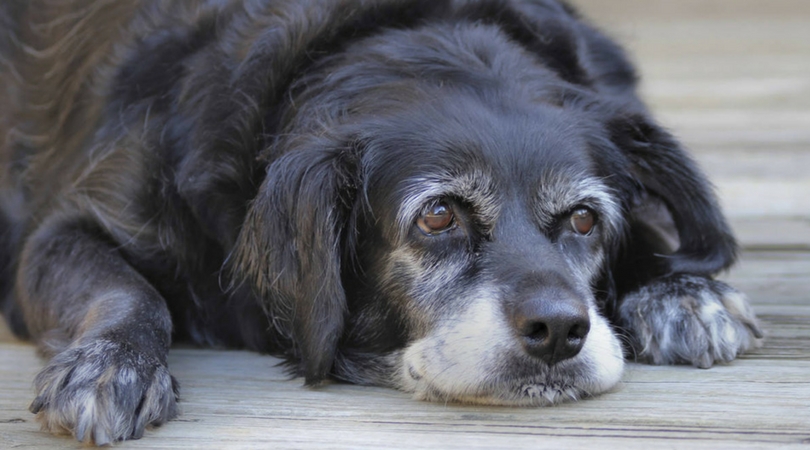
102, 392
689, 319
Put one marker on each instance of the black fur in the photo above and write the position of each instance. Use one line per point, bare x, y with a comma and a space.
240, 173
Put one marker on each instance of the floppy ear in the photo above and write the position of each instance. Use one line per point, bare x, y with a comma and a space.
289, 251
664, 174
241, 62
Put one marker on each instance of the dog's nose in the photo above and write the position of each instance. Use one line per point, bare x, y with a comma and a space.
552, 329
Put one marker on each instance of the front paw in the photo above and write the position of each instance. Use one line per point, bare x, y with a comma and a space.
689, 319
104, 391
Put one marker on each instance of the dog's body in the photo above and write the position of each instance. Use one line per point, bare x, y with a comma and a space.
457, 199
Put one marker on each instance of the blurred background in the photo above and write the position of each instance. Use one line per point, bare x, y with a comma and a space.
731, 79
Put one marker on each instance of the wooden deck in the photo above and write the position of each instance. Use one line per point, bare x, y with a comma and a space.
732, 79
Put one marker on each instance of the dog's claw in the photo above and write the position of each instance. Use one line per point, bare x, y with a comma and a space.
36, 405
705, 361
755, 330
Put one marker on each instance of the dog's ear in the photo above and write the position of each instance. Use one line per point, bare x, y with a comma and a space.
289, 250
662, 173
244, 57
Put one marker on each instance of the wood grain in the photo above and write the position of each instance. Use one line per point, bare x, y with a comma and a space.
731, 79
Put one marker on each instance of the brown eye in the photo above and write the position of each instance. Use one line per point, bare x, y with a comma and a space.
437, 219
582, 221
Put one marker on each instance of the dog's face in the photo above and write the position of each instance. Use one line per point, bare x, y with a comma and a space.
486, 231
471, 221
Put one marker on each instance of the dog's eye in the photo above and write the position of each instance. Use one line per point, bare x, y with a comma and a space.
582, 221
436, 219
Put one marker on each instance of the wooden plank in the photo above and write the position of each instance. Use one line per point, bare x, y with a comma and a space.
773, 278
623, 12
756, 198
238, 399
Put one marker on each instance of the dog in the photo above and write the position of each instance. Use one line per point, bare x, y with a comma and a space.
463, 200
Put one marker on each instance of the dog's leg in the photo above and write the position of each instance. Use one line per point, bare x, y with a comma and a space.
108, 329
661, 289
671, 317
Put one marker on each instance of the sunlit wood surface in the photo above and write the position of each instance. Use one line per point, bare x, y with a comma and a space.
732, 79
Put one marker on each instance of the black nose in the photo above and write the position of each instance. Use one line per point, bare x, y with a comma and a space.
552, 329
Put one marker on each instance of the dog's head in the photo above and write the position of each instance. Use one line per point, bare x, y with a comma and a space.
441, 207
484, 229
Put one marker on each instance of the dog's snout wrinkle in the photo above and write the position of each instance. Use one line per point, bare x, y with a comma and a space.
552, 329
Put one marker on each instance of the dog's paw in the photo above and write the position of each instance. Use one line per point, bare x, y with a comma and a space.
104, 391
689, 319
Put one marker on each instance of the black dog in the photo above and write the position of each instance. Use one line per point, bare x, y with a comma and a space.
459, 199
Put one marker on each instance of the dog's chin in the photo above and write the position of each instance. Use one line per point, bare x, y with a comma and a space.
545, 389
476, 361
527, 394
